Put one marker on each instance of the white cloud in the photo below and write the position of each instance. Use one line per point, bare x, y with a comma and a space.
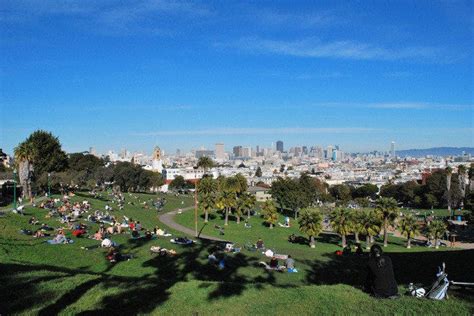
315, 48
108, 17
399, 105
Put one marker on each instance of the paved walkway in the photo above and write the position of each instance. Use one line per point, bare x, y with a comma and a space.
168, 219
10, 206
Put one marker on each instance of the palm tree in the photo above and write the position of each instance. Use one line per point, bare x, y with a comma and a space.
310, 223
341, 223
387, 210
228, 199
269, 213
356, 223
207, 192
436, 231
229, 188
249, 202
409, 227
370, 226
24, 154
449, 173
206, 163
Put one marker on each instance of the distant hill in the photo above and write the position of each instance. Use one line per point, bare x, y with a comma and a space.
436, 151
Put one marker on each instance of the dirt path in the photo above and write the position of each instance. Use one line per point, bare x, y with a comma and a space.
168, 219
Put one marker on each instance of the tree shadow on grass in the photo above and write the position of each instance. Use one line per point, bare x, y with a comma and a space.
416, 267
143, 294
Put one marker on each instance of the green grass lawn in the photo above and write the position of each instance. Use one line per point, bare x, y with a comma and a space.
50, 279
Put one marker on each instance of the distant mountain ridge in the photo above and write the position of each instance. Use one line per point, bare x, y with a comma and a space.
436, 151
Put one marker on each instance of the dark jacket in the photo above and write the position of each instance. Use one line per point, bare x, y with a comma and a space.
380, 277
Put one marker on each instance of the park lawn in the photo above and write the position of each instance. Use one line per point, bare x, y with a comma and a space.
36, 277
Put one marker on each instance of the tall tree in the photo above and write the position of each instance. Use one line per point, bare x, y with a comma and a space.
355, 217
436, 231
206, 163
230, 188
178, 183
249, 201
40, 153
207, 193
408, 226
269, 213
341, 223
387, 209
310, 224
288, 194
24, 155
371, 224
449, 172
258, 172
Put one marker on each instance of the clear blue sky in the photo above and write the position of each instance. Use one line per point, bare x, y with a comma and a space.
135, 74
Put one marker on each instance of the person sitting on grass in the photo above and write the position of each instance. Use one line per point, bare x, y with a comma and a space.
212, 258
347, 250
273, 263
39, 233
135, 233
290, 264
33, 221
148, 235
380, 277
359, 251
246, 224
260, 245
98, 235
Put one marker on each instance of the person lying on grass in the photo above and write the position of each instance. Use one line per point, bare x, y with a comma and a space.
40, 233
260, 245
59, 239
114, 256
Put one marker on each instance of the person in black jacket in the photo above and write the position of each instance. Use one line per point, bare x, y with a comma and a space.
380, 278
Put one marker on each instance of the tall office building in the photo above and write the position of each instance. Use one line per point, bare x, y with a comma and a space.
237, 151
279, 146
392, 150
329, 152
246, 152
220, 153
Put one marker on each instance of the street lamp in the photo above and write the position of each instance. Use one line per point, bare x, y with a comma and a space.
14, 189
49, 184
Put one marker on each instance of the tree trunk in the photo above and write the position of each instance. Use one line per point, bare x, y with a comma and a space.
436, 243
356, 236
296, 214
385, 232
343, 241
409, 243
271, 226
206, 216
248, 214
238, 219
226, 220
367, 242
311, 242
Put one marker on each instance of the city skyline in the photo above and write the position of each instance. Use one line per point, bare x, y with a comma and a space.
113, 75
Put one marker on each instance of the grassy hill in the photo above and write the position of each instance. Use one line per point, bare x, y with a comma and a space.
75, 278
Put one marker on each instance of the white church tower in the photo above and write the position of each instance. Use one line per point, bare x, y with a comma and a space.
157, 163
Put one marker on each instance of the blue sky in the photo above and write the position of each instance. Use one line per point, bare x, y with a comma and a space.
135, 74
